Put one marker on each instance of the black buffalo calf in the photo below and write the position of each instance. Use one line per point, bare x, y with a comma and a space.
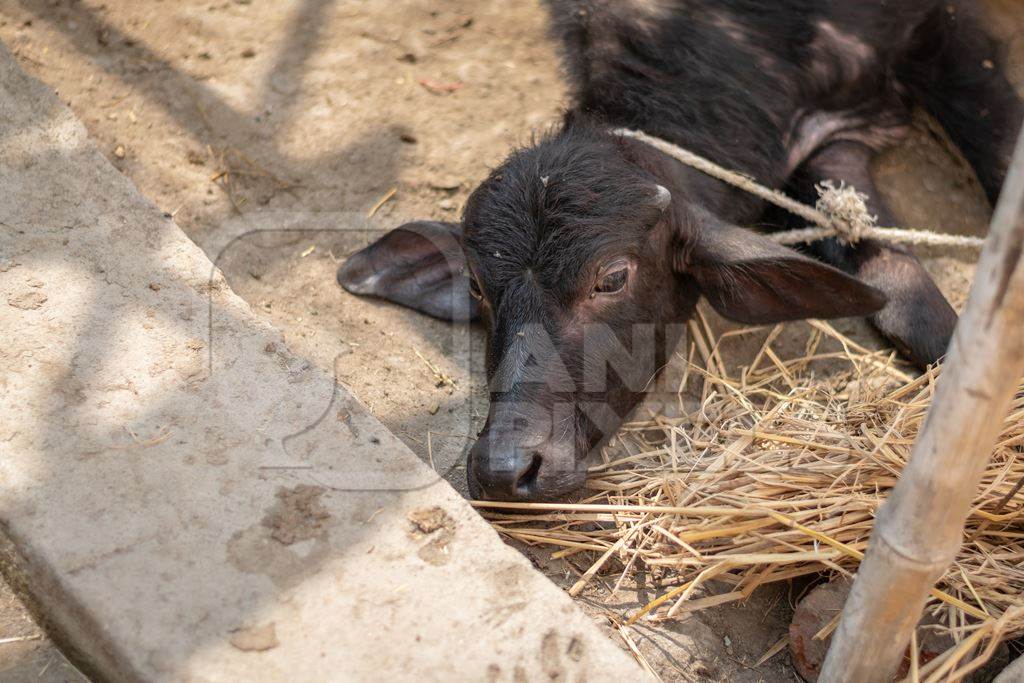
584, 254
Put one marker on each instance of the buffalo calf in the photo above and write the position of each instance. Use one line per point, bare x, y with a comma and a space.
584, 254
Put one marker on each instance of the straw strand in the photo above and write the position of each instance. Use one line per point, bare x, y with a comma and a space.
780, 474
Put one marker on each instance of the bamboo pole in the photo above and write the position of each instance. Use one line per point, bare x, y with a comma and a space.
919, 529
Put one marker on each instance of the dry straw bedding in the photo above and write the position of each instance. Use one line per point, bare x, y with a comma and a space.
778, 473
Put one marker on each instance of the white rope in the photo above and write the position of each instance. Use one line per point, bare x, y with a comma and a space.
839, 212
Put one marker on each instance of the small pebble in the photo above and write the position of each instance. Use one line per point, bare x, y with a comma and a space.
119, 152
445, 183
28, 300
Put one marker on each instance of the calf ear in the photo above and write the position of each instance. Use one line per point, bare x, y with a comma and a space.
749, 278
419, 265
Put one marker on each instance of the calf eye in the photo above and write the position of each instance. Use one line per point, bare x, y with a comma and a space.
474, 289
612, 282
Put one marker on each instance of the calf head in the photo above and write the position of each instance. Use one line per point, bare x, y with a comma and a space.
583, 268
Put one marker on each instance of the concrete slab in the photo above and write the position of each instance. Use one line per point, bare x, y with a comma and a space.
183, 499
1013, 673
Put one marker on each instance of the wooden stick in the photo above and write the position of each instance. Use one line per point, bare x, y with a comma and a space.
919, 529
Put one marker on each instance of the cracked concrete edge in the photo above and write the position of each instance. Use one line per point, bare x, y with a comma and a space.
135, 593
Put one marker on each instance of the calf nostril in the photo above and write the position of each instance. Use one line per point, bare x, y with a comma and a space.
528, 477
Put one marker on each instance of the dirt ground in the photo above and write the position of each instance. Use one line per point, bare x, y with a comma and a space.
270, 130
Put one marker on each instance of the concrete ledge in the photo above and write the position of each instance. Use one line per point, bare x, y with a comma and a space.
1013, 673
185, 500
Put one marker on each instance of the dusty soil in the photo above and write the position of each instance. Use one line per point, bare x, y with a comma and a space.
32, 657
269, 130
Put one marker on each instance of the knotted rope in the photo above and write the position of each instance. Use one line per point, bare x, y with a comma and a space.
841, 211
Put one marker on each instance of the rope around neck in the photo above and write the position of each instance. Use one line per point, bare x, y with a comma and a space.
840, 211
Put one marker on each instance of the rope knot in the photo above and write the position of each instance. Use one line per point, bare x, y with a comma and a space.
841, 212
846, 209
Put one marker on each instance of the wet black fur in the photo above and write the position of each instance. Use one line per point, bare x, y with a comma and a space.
683, 77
